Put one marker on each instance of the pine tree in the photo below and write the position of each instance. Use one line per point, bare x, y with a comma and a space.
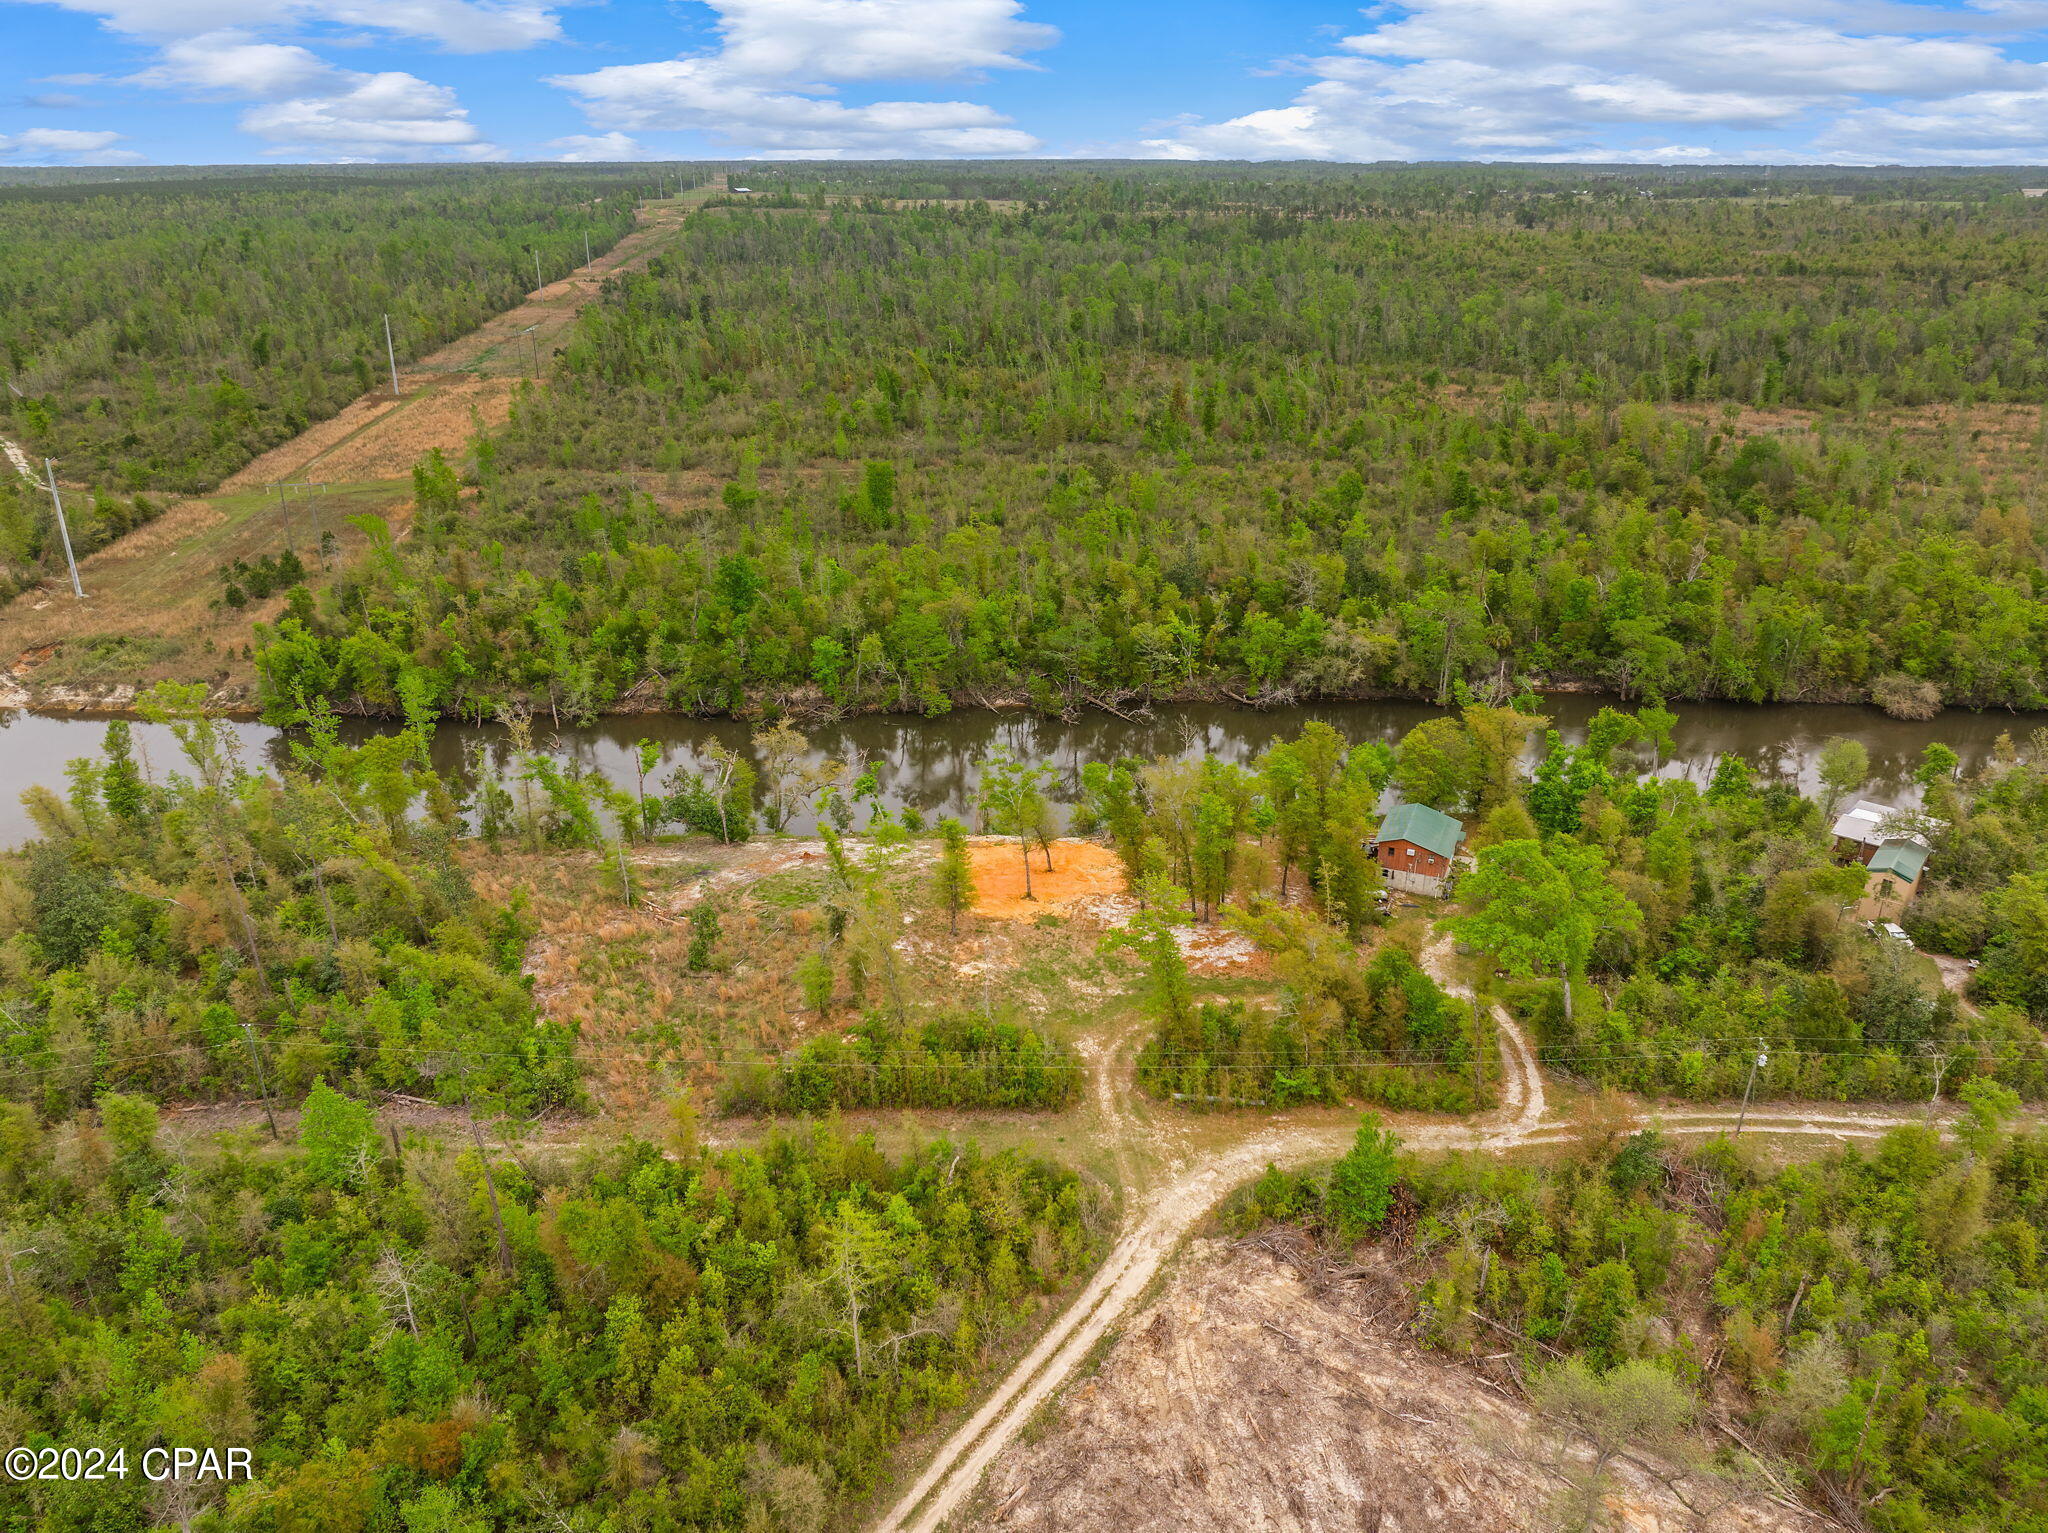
953, 878
1362, 1183
704, 934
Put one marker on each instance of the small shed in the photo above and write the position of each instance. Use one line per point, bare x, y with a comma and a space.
1859, 834
1416, 847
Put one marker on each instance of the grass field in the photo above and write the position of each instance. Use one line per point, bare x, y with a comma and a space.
153, 605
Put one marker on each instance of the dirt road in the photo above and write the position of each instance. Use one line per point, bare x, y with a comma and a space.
154, 607
447, 395
1173, 1210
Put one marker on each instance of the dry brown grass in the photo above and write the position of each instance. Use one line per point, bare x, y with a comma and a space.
647, 1025
286, 460
446, 415
150, 595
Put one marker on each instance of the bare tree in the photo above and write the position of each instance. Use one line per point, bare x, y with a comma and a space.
396, 1280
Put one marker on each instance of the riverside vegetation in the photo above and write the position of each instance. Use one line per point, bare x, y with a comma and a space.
1140, 437
736, 1338
404, 1335
1658, 936
1714, 921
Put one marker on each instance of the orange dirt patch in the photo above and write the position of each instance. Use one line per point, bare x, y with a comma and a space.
1081, 871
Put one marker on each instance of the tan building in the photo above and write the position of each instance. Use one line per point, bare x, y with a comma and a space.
1891, 879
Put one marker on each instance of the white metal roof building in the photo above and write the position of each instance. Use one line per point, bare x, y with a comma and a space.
1861, 824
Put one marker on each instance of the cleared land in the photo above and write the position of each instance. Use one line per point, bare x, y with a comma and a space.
152, 611
1244, 1398
1201, 1396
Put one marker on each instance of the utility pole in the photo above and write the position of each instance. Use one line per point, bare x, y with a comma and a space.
262, 1080
586, 247
537, 283
284, 517
533, 341
63, 528
1756, 1060
391, 356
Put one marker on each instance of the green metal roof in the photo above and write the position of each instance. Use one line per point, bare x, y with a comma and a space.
1904, 858
1426, 827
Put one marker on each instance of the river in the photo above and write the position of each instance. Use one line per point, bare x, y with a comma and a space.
933, 763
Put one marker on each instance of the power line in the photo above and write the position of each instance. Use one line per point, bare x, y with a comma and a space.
1403, 1060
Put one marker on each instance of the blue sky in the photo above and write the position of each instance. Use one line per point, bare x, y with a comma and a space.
1682, 81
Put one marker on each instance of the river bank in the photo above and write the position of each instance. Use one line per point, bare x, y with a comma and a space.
934, 763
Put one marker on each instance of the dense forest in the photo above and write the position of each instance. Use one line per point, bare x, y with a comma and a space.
157, 334
913, 437
1334, 187
1869, 1326
199, 930
1094, 448
640, 1337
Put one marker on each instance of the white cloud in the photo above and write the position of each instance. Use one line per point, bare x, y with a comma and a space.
600, 148
1981, 127
458, 25
308, 106
375, 114
227, 49
232, 62
790, 40
462, 26
698, 93
770, 85
71, 146
1592, 79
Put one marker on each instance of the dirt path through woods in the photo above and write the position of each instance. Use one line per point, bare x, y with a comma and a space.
446, 396
1159, 1221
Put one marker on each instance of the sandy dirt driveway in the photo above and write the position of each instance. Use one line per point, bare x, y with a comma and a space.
1173, 1210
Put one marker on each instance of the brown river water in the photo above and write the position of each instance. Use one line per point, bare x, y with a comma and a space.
934, 763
